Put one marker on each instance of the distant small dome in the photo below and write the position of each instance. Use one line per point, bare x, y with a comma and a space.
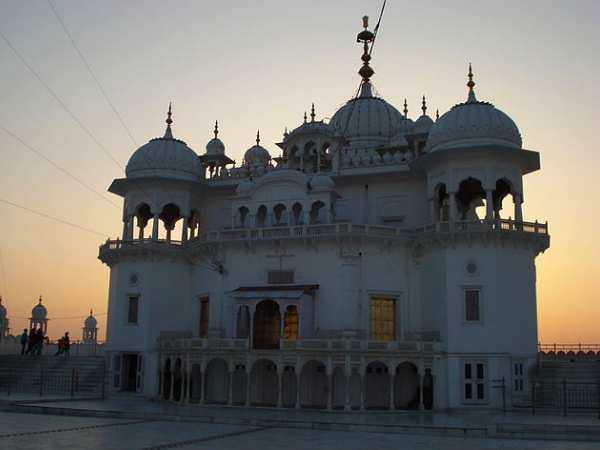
312, 127
39, 311
215, 147
90, 322
3, 311
257, 156
321, 182
423, 124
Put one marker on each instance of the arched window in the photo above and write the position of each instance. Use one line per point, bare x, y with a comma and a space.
241, 216
316, 212
443, 213
279, 214
170, 215
290, 323
297, 213
470, 195
261, 216
502, 190
143, 214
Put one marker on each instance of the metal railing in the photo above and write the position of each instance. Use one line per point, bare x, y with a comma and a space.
44, 381
565, 396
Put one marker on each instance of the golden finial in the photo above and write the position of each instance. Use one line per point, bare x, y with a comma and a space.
216, 129
405, 110
366, 37
258, 137
305, 117
169, 120
437, 114
312, 113
424, 107
470, 83
40, 299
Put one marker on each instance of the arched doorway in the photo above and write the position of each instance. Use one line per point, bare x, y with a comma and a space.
267, 325
216, 385
313, 385
406, 386
264, 383
377, 386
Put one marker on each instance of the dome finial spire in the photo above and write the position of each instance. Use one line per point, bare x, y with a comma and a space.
169, 120
216, 129
405, 110
366, 37
471, 85
312, 113
257, 137
424, 107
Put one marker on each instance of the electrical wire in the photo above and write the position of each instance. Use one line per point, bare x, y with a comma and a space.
53, 218
48, 160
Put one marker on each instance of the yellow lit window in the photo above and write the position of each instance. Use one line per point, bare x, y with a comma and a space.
383, 319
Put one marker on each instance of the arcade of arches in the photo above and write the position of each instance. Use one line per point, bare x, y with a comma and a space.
262, 382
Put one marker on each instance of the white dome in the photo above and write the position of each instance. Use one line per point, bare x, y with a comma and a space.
473, 123
90, 322
321, 182
423, 124
366, 121
257, 156
312, 127
215, 147
244, 188
165, 156
39, 311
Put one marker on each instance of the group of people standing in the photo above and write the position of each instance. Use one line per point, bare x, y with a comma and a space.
32, 342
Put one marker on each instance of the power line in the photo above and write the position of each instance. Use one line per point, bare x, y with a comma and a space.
62, 318
92, 73
53, 218
60, 102
48, 160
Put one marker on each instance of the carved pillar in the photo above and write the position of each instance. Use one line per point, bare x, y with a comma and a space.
518, 208
329, 390
184, 229
279, 393
392, 379
298, 376
363, 387
248, 378
230, 388
347, 400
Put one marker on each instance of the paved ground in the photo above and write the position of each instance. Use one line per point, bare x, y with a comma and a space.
43, 432
143, 425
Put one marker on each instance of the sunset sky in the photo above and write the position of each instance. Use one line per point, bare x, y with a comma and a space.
84, 84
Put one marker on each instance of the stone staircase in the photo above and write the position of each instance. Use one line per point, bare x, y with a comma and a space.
51, 375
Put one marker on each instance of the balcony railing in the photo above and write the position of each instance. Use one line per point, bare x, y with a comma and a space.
307, 345
334, 229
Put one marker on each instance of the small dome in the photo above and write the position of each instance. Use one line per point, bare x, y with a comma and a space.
312, 127
244, 188
423, 124
257, 156
366, 121
215, 147
39, 311
321, 182
90, 322
473, 123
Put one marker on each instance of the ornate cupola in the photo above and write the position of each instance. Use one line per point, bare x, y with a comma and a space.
215, 159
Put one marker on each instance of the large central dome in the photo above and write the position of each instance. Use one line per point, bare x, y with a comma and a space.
366, 121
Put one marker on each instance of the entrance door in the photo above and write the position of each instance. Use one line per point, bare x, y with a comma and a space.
131, 373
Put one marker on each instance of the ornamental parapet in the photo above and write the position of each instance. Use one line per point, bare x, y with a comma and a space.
342, 229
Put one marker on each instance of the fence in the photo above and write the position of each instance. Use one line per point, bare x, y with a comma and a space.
43, 382
565, 396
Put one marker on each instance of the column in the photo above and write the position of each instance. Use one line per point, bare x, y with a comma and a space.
329, 390
347, 401
247, 401
392, 379
184, 229
279, 393
363, 387
230, 395
518, 208
125, 230
298, 376
489, 206
452, 201
155, 221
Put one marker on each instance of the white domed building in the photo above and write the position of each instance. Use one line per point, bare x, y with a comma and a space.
39, 317
376, 263
4, 322
90, 330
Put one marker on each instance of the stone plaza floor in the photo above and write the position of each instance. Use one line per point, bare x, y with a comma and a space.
29, 423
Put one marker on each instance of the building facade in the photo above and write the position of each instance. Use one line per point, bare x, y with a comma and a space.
377, 262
